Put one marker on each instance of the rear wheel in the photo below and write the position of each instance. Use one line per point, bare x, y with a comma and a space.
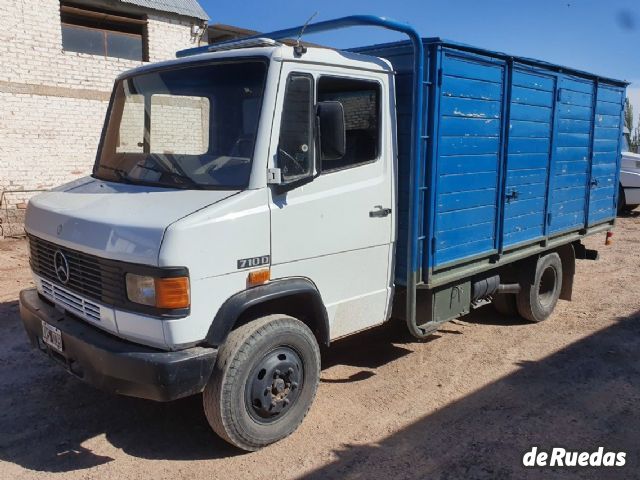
264, 382
505, 304
540, 290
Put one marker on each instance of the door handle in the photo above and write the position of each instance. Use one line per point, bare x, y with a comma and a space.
379, 212
594, 182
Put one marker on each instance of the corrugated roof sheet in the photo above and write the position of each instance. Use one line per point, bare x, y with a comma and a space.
189, 8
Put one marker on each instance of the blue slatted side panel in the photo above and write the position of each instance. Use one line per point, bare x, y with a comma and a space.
529, 150
571, 156
468, 157
606, 150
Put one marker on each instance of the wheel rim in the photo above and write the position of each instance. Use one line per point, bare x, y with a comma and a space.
547, 288
274, 385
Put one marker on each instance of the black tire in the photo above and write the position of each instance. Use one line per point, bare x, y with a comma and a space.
505, 304
621, 200
249, 400
540, 289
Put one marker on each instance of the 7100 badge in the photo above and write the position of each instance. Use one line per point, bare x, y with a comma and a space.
254, 262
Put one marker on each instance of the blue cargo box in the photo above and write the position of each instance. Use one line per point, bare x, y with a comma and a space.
519, 154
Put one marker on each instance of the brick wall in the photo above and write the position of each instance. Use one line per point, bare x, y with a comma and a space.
52, 102
359, 109
179, 124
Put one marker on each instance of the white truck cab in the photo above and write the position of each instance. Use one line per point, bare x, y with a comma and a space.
201, 189
164, 202
629, 196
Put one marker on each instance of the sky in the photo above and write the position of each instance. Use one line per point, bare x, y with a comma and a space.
599, 36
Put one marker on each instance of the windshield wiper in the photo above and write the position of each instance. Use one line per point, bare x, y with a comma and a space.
123, 175
174, 175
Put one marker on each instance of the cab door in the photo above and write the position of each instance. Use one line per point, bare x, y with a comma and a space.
334, 224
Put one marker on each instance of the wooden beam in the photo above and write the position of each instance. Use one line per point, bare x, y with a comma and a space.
80, 12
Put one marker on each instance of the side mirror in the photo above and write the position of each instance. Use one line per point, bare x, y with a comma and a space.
331, 130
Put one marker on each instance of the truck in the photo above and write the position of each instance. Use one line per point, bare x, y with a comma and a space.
629, 194
254, 200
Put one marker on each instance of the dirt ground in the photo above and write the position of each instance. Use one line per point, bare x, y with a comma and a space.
466, 403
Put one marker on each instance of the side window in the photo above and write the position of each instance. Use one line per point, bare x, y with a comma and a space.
295, 148
361, 103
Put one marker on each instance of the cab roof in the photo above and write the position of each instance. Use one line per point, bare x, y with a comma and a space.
275, 51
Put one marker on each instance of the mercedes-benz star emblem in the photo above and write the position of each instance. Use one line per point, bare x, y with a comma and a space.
61, 266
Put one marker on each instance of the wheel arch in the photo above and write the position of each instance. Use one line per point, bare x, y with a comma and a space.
297, 297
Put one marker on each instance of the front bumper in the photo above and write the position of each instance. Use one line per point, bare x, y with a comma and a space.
113, 364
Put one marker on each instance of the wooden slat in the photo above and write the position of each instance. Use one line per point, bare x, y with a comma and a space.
80, 12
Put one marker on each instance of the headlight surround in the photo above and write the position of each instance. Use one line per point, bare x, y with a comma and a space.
159, 292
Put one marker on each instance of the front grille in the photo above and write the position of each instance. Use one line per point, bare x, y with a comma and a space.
74, 303
90, 276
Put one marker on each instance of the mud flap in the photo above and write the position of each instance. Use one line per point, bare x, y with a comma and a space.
568, 257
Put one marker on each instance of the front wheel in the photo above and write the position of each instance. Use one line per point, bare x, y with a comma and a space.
264, 382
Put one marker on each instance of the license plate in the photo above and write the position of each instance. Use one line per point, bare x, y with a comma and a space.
52, 336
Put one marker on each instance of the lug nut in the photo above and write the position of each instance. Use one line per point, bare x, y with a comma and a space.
290, 371
276, 373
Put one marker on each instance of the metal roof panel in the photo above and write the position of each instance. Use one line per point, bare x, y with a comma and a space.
189, 8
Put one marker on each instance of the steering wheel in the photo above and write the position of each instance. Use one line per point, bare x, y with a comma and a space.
228, 162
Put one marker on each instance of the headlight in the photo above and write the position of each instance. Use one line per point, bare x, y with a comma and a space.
171, 292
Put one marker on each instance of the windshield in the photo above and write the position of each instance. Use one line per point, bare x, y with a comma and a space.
188, 127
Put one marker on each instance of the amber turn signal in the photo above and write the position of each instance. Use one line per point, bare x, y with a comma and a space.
172, 292
258, 277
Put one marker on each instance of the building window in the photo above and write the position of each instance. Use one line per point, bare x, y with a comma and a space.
361, 103
98, 32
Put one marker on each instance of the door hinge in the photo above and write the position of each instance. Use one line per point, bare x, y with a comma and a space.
549, 218
439, 77
513, 195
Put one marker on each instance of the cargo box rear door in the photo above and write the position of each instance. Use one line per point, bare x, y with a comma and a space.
571, 156
531, 116
468, 157
606, 153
